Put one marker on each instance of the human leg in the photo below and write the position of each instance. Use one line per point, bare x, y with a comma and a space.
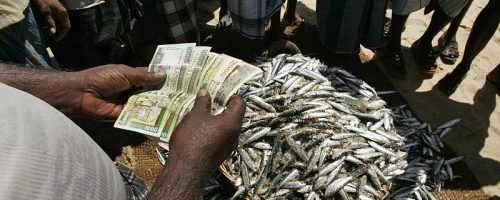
393, 57
291, 14
482, 31
448, 43
422, 50
494, 77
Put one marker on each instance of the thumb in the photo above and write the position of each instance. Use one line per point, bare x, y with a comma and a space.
235, 110
140, 76
203, 102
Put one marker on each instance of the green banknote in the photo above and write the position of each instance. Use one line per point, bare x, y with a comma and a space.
222, 73
211, 57
231, 84
211, 70
172, 120
144, 113
173, 54
188, 68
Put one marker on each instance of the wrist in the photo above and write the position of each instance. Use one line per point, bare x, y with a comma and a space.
198, 167
67, 98
178, 180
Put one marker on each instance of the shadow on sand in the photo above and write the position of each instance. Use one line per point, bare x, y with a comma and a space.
468, 137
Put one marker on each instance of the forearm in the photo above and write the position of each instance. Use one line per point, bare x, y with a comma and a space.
53, 87
179, 181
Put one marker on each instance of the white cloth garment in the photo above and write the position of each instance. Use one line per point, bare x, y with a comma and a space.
44, 155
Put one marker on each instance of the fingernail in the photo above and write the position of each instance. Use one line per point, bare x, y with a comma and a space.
202, 93
160, 74
52, 30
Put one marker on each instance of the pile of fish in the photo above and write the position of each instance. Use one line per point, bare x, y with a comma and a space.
310, 136
427, 169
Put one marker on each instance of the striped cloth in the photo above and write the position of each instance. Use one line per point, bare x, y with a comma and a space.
405, 7
345, 24
44, 155
249, 16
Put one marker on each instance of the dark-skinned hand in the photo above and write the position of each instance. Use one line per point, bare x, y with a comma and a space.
100, 90
202, 140
199, 143
52, 18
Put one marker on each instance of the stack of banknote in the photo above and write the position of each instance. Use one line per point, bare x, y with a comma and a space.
189, 68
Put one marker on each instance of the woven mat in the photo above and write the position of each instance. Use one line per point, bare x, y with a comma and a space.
142, 159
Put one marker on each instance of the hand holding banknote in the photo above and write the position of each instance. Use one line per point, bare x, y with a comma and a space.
188, 68
101, 88
198, 145
196, 137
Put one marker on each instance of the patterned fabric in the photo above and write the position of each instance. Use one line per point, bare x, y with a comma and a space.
165, 22
21, 43
180, 15
249, 17
135, 187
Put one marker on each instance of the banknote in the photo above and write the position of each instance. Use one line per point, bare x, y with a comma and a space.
207, 64
173, 54
200, 56
188, 68
222, 73
211, 70
232, 83
194, 72
144, 113
174, 117
171, 71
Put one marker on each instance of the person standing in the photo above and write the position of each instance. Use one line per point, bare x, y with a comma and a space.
393, 58
422, 49
482, 31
